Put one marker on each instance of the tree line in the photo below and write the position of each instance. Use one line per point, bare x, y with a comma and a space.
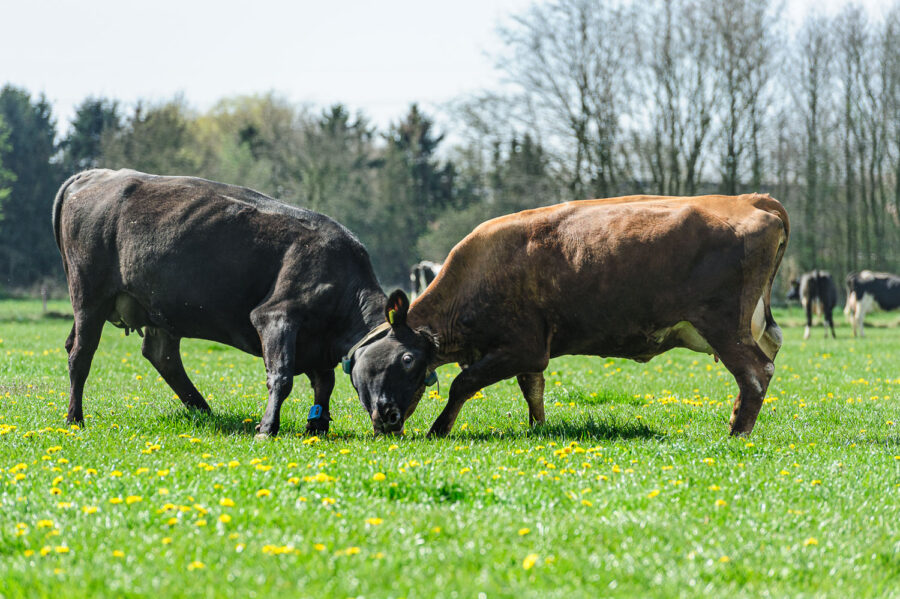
600, 98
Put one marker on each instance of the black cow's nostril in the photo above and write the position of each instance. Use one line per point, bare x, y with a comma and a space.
392, 417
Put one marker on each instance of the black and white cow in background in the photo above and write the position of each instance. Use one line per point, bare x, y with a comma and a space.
817, 293
420, 276
867, 290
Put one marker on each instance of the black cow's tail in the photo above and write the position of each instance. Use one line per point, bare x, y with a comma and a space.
57, 213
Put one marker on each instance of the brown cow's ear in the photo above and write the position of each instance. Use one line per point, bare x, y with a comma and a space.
396, 308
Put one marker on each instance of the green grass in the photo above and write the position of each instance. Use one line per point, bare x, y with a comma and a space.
633, 488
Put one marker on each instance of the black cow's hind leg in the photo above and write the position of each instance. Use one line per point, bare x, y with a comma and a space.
532, 386
830, 323
279, 341
81, 345
163, 351
323, 384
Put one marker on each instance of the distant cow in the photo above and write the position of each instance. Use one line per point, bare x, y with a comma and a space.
817, 293
867, 290
628, 277
421, 275
185, 257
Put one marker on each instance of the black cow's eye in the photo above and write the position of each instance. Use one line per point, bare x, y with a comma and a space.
407, 360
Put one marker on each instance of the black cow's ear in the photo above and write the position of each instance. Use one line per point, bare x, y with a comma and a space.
396, 308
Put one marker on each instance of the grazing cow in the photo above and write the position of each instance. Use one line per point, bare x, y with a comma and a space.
817, 292
628, 277
867, 290
185, 257
421, 275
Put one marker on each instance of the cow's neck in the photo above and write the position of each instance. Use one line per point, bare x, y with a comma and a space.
366, 313
440, 319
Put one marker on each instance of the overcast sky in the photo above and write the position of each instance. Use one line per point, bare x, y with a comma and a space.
377, 56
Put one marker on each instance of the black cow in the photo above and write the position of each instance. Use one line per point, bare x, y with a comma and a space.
421, 275
865, 291
185, 257
817, 293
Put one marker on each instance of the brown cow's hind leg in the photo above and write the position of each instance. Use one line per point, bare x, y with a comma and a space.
163, 351
532, 386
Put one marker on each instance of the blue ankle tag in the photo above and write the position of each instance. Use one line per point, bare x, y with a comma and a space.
315, 412
431, 378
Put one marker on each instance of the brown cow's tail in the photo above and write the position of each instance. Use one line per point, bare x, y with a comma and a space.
57, 213
772, 337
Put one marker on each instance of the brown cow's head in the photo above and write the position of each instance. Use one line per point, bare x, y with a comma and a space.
389, 373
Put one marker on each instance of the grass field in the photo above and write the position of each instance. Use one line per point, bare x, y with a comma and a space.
633, 488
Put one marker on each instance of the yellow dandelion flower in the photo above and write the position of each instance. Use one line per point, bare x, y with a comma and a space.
379, 476
225, 501
724, 559
653, 493
163, 491
115, 500
586, 503
166, 540
45, 550
89, 509
133, 499
172, 521
200, 522
118, 553
524, 531
529, 561
263, 493
162, 473
45, 524
195, 565
714, 488
810, 541
233, 464
319, 547
721, 503
374, 521
224, 518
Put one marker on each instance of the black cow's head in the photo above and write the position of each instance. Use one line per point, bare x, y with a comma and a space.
794, 293
390, 373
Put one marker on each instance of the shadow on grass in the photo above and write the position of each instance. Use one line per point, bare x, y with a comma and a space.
583, 429
587, 429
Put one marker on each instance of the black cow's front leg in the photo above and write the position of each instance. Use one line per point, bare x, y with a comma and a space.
279, 338
532, 386
809, 311
490, 369
319, 416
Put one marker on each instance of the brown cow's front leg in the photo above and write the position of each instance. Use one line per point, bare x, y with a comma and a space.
532, 386
488, 370
323, 384
279, 340
752, 370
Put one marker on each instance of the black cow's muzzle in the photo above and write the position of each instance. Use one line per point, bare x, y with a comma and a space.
387, 421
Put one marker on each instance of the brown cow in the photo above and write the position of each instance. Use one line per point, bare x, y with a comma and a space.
627, 277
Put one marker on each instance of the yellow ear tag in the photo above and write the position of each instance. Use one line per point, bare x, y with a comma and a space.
391, 316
